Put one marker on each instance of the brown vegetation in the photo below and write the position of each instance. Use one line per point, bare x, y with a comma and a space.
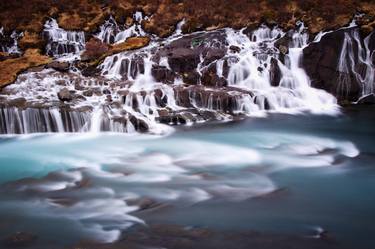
96, 50
88, 14
10, 68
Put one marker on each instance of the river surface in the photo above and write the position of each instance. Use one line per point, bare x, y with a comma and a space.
282, 174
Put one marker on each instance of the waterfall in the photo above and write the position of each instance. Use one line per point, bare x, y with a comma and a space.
35, 120
127, 97
9, 43
62, 42
355, 59
253, 69
110, 32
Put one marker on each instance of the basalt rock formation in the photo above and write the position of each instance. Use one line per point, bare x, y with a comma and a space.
128, 66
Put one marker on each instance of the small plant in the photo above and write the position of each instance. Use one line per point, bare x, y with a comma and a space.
196, 42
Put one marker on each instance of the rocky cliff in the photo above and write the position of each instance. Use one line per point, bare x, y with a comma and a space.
131, 65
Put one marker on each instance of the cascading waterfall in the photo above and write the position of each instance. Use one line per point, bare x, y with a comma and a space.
127, 97
9, 44
110, 32
253, 70
35, 120
62, 42
355, 59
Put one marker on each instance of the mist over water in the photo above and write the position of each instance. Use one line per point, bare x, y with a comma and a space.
89, 183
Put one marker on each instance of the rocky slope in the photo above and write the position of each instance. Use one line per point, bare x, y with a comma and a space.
131, 65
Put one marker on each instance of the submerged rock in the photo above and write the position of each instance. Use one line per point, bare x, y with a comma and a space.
20, 239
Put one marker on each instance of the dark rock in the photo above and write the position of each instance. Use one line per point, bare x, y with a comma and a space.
234, 49
186, 53
162, 74
88, 93
20, 239
90, 71
35, 69
275, 73
191, 78
367, 100
139, 124
18, 102
210, 77
94, 49
320, 61
59, 66
183, 60
65, 95
109, 98
106, 91
61, 82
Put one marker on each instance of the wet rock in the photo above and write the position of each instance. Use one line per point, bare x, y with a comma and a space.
191, 78
59, 66
320, 61
183, 60
234, 49
65, 95
61, 82
367, 100
275, 73
188, 54
18, 102
143, 203
35, 69
20, 239
94, 49
108, 98
106, 91
162, 74
88, 93
210, 77
139, 124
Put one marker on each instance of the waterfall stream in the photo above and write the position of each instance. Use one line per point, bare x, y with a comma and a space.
138, 90
62, 42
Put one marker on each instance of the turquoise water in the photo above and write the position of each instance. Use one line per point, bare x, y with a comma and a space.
282, 174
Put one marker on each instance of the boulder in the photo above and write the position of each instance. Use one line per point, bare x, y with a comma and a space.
59, 66
320, 61
367, 100
20, 239
65, 95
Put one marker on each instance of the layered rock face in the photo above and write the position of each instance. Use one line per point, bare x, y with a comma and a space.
121, 77
341, 62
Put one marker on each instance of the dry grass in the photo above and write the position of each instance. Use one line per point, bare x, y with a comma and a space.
10, 68
88, 14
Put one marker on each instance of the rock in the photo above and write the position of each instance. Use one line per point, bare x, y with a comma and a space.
20, 239
106, 91
59, 66
143, 203
94, 49
186, 53
210, 77
367, 100
320, 61
65, 95
163, 74
18, 102
88, 93
191, 78
283, 49
108, 98
275, 73
234, 49
183, 60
